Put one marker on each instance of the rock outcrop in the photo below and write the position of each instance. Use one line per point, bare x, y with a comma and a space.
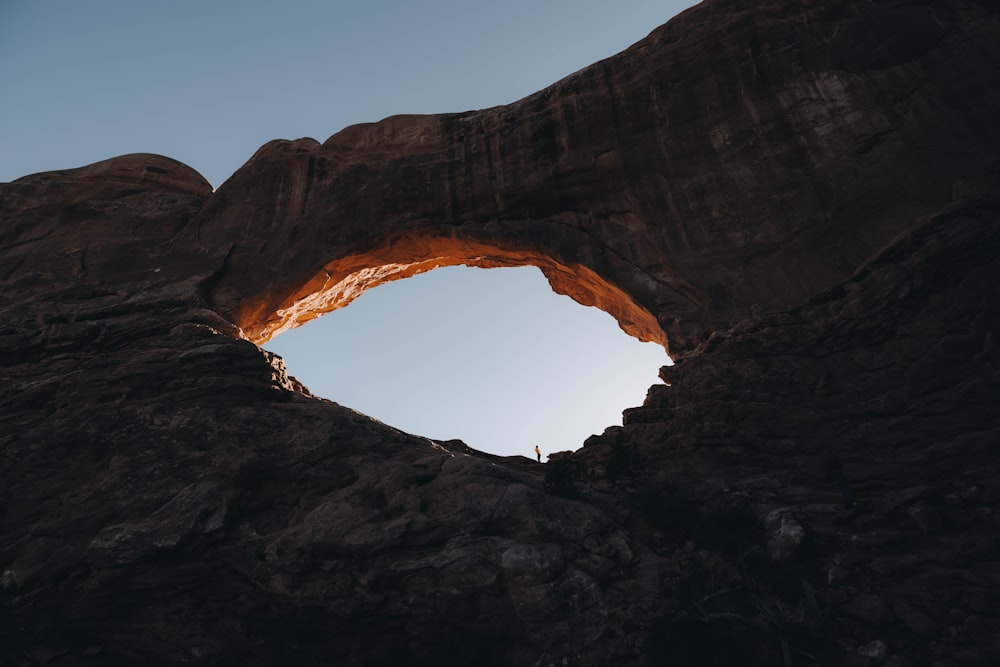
800, 200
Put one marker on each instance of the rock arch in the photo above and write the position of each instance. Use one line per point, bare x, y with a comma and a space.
324, 236
680, 187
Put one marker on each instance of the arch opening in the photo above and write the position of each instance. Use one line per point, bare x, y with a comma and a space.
494, 358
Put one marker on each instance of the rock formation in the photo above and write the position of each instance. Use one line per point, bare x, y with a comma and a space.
799, 200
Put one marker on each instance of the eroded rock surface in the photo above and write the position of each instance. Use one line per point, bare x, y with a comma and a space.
799, 199
733, 159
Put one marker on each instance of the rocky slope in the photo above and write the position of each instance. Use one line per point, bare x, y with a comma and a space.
800, 200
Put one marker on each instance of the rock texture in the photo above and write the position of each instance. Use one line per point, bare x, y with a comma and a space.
800, 200
732, 159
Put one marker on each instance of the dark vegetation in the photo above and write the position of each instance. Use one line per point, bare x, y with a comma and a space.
746, 611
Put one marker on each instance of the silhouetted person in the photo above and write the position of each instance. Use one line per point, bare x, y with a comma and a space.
835, 471
538, 453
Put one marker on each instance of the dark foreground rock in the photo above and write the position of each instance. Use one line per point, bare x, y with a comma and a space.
800, 200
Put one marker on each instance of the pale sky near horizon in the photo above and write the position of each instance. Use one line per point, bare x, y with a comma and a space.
491, 357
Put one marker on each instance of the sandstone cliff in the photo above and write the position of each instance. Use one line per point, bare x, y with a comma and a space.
799, 200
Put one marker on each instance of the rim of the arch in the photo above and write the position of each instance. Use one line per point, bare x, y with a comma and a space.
344, 279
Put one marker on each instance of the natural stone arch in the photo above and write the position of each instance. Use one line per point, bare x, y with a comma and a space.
704, 200
302, 235
305, 228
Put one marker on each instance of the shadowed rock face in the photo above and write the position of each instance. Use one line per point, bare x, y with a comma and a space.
799, 200
733, 158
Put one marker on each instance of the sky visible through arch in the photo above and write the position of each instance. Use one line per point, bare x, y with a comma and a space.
207, 83
493, 357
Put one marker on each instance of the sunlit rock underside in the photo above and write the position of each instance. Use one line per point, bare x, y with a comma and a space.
799, 200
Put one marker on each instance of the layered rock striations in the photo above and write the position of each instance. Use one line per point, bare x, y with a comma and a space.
799, 200
733, 158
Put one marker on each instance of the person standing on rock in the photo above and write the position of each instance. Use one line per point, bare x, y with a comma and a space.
538, 453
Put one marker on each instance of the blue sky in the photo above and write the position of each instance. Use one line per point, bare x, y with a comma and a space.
207, 82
